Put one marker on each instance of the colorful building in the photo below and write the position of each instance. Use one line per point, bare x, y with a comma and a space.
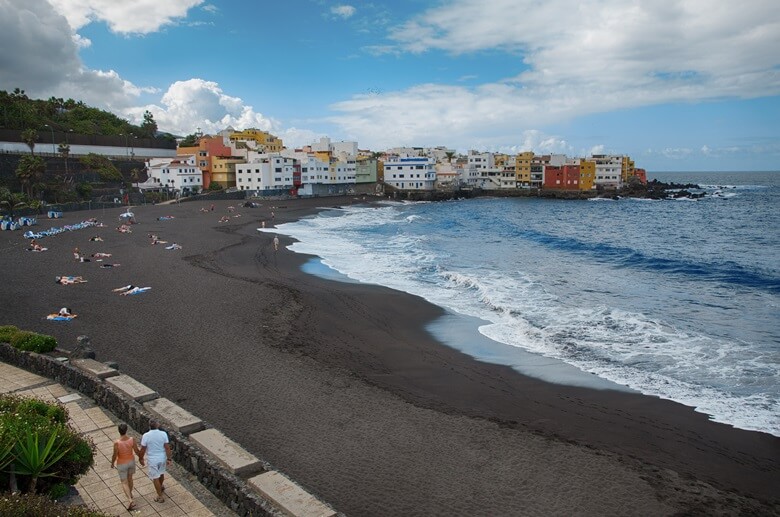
264, 141
523, 168
223, 170
564, 177
208, 147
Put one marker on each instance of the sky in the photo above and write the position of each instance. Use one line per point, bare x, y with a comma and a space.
678, 85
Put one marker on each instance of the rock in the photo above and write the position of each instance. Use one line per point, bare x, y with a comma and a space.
83, 349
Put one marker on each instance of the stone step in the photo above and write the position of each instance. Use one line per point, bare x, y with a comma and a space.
227, 452
132, 388
177, 418
288, 496
96, 368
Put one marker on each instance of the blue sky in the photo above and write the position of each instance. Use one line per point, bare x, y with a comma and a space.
676, 84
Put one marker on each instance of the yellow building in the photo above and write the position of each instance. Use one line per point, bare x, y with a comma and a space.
500, 160
627, 169
223, 170
523, 168
266, 142
587, 175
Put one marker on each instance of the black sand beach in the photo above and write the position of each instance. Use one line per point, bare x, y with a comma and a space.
339, 385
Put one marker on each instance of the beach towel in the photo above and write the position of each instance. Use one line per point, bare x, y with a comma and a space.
135, 290
60, 317
36, 250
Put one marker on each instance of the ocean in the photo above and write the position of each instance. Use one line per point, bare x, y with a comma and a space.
676, 298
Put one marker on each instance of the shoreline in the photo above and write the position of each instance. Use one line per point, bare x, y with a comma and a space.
314, 376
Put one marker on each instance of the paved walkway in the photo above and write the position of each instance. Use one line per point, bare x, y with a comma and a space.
100, 487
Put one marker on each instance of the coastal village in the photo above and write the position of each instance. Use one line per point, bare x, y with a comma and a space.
258, 163
255, 160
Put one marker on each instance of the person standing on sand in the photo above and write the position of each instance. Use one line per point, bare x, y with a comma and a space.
155, 442
124, 462
276, 243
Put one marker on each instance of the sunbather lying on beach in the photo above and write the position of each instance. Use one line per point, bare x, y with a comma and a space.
34, 246
78, 256
130, 289
101, 255
96, 238
173, 246
68, 280
123, 228
64, 314
106, 266
224, 219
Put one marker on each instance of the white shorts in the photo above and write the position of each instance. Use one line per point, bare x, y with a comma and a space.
156, 469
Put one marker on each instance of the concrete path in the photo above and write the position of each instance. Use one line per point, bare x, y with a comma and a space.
100, 487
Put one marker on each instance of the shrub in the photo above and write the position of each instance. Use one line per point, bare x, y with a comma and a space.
33, 342
31, 505
20, 416
58, 491
7, 332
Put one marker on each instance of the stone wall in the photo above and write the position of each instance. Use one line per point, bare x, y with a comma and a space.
230, 489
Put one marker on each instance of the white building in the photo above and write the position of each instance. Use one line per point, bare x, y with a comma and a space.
266, 172
412, 173
609, 168
179, 174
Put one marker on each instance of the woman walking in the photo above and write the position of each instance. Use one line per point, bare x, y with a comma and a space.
125, 450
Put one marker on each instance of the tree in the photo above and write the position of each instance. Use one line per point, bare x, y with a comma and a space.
149, 126
135, 175
30, 170
64, 150
189, 141
29, 137
449, 155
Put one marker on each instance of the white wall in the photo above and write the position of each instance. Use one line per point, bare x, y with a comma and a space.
82, 150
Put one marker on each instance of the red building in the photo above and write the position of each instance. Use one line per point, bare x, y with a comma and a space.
566, 177
642, 175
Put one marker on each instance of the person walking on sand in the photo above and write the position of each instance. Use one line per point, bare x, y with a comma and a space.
276, 243
155, 442
123, 460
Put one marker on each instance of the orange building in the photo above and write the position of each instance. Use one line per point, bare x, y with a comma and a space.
642, 175
207, 149
565, 177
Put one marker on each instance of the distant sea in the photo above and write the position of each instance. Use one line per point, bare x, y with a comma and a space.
677, 298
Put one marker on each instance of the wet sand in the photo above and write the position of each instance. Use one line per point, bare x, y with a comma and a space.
340, 386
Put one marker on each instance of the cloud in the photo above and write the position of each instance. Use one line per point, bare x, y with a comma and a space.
600, 56
136, 17
342, 11
187, 105
43, 50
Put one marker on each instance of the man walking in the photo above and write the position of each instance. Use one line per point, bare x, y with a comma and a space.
155, 443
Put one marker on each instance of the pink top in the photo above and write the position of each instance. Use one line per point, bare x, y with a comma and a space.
124, 451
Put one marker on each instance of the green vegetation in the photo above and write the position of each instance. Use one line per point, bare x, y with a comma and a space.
17, 111
190, 140
27, 340
102, 165
40, 452
6, 332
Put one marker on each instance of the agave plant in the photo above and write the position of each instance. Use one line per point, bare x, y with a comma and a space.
33, 458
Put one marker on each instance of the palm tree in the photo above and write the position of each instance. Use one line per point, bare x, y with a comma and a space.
30, 170
135, 175
449, 155
64, 150
29, 137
